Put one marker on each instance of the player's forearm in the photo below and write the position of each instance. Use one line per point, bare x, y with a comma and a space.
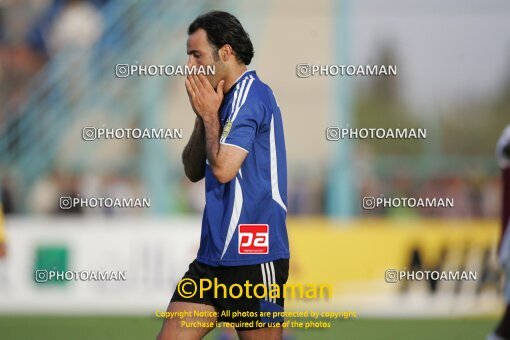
212, 141
194, 154
217, 163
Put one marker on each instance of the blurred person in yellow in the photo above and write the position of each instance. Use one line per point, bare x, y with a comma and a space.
502, 331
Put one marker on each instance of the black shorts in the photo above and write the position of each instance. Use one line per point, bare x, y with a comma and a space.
253, 308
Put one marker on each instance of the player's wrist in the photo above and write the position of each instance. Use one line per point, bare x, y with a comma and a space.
210, 118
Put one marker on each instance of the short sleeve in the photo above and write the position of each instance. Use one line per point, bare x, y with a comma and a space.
241, 130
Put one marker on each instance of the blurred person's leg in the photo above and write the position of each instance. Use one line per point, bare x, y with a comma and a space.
254, 325
173, 327
502, 331
208, 288
185, 321
503, 328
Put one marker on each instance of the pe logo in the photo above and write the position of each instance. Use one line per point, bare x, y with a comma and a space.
253, 238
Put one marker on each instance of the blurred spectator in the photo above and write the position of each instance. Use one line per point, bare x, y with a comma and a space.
45, 195
402, 186
491, 193
70, 188
472, 198
306, 193
18, 64
116, 186
76, 28
7, 199
66, 24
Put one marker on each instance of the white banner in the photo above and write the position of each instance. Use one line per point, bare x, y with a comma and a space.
152, 254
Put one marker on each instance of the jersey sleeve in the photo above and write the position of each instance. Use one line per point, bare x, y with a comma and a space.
503, 149
241, 129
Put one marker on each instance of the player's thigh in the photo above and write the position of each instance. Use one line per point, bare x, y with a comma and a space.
261, 334
173, 328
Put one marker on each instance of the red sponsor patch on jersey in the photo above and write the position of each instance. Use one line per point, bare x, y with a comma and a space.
253, 238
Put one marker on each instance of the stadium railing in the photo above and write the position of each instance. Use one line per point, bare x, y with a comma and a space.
75, 86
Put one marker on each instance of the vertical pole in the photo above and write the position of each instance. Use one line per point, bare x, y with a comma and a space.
342, 196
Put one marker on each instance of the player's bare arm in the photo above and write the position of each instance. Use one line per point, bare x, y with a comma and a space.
194, 155
224, 160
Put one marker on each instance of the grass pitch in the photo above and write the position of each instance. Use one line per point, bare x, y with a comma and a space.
139, 328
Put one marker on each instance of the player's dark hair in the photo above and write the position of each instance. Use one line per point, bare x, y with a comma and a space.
223, 28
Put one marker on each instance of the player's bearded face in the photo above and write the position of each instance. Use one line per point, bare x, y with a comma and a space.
202, 54
219, 67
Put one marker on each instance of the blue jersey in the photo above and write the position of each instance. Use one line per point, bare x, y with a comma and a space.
244, 219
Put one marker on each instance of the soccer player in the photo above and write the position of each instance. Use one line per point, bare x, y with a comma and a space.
502, 331
238, 146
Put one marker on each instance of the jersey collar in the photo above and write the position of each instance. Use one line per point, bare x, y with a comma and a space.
245, 73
